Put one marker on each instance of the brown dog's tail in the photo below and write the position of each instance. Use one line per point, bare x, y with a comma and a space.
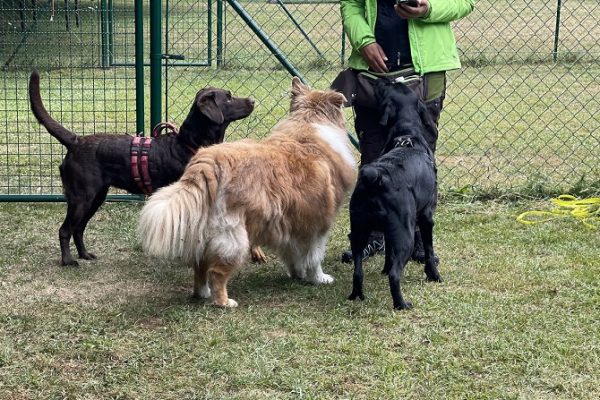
64, 136
172, 224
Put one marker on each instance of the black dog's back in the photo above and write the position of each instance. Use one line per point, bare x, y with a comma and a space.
400, 181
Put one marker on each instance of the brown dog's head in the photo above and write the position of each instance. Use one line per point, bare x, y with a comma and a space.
213, 110
317, 105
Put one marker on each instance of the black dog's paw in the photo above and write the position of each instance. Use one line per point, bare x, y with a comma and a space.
70, 263
87, 256
354, 296
403, 306
435, 278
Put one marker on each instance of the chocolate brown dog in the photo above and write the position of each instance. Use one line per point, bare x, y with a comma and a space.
396, 192
96, 162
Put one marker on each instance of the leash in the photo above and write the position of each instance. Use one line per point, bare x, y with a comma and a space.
587, 211
163, 126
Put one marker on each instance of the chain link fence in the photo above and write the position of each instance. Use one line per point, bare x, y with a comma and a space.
521, 116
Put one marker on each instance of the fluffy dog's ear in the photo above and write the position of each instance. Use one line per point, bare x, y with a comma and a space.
298, 87
207, 104
338, 99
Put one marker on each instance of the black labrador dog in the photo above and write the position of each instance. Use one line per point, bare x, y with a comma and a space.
396, 192
96, 162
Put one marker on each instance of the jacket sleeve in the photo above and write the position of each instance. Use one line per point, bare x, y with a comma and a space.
448, 10
355, 23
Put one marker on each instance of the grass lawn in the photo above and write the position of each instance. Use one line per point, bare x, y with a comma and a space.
517, 316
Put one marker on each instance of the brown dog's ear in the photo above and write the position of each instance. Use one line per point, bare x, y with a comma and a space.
208, 106
298, 87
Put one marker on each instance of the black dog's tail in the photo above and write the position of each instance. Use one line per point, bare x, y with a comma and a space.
64, 136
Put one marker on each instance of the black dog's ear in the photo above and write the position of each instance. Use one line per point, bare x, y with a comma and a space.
386, 113
371, 176
207, 104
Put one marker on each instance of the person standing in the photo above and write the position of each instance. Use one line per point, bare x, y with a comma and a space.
401, 38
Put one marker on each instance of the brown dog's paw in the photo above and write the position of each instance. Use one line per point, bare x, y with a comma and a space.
258, 256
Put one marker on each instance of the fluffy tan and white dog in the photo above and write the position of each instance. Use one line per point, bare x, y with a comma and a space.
282, 192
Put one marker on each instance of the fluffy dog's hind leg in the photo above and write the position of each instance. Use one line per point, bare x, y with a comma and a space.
218, 276
312, 262
201, 288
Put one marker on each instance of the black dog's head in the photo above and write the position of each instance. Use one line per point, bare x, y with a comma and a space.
403, 114
212, 111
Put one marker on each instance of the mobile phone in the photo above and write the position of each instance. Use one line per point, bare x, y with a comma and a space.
410, 3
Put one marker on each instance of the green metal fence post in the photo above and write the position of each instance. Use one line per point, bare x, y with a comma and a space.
220, 15
111, 31
104, 46
155, 62
139, 67
556, 31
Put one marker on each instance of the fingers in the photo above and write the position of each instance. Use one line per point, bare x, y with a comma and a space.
375, 57
409, 12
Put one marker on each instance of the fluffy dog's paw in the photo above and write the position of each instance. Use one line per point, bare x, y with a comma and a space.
258, 255
230, 303
202, 293
323, 278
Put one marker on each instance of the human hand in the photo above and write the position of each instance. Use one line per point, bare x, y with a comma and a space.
375, 57
410, 12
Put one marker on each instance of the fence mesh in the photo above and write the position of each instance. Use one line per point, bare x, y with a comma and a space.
521, 114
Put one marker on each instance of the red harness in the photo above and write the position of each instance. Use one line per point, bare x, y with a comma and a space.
140, 150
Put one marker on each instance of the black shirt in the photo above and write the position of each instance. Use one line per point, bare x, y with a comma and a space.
391, 33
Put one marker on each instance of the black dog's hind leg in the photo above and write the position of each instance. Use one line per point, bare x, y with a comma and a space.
80, 227
399, 243
65, 232
358, 242
426, 227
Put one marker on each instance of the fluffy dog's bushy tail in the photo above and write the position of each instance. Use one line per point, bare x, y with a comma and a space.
173, 221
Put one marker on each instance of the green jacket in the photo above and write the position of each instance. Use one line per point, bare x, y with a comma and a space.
432, 43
